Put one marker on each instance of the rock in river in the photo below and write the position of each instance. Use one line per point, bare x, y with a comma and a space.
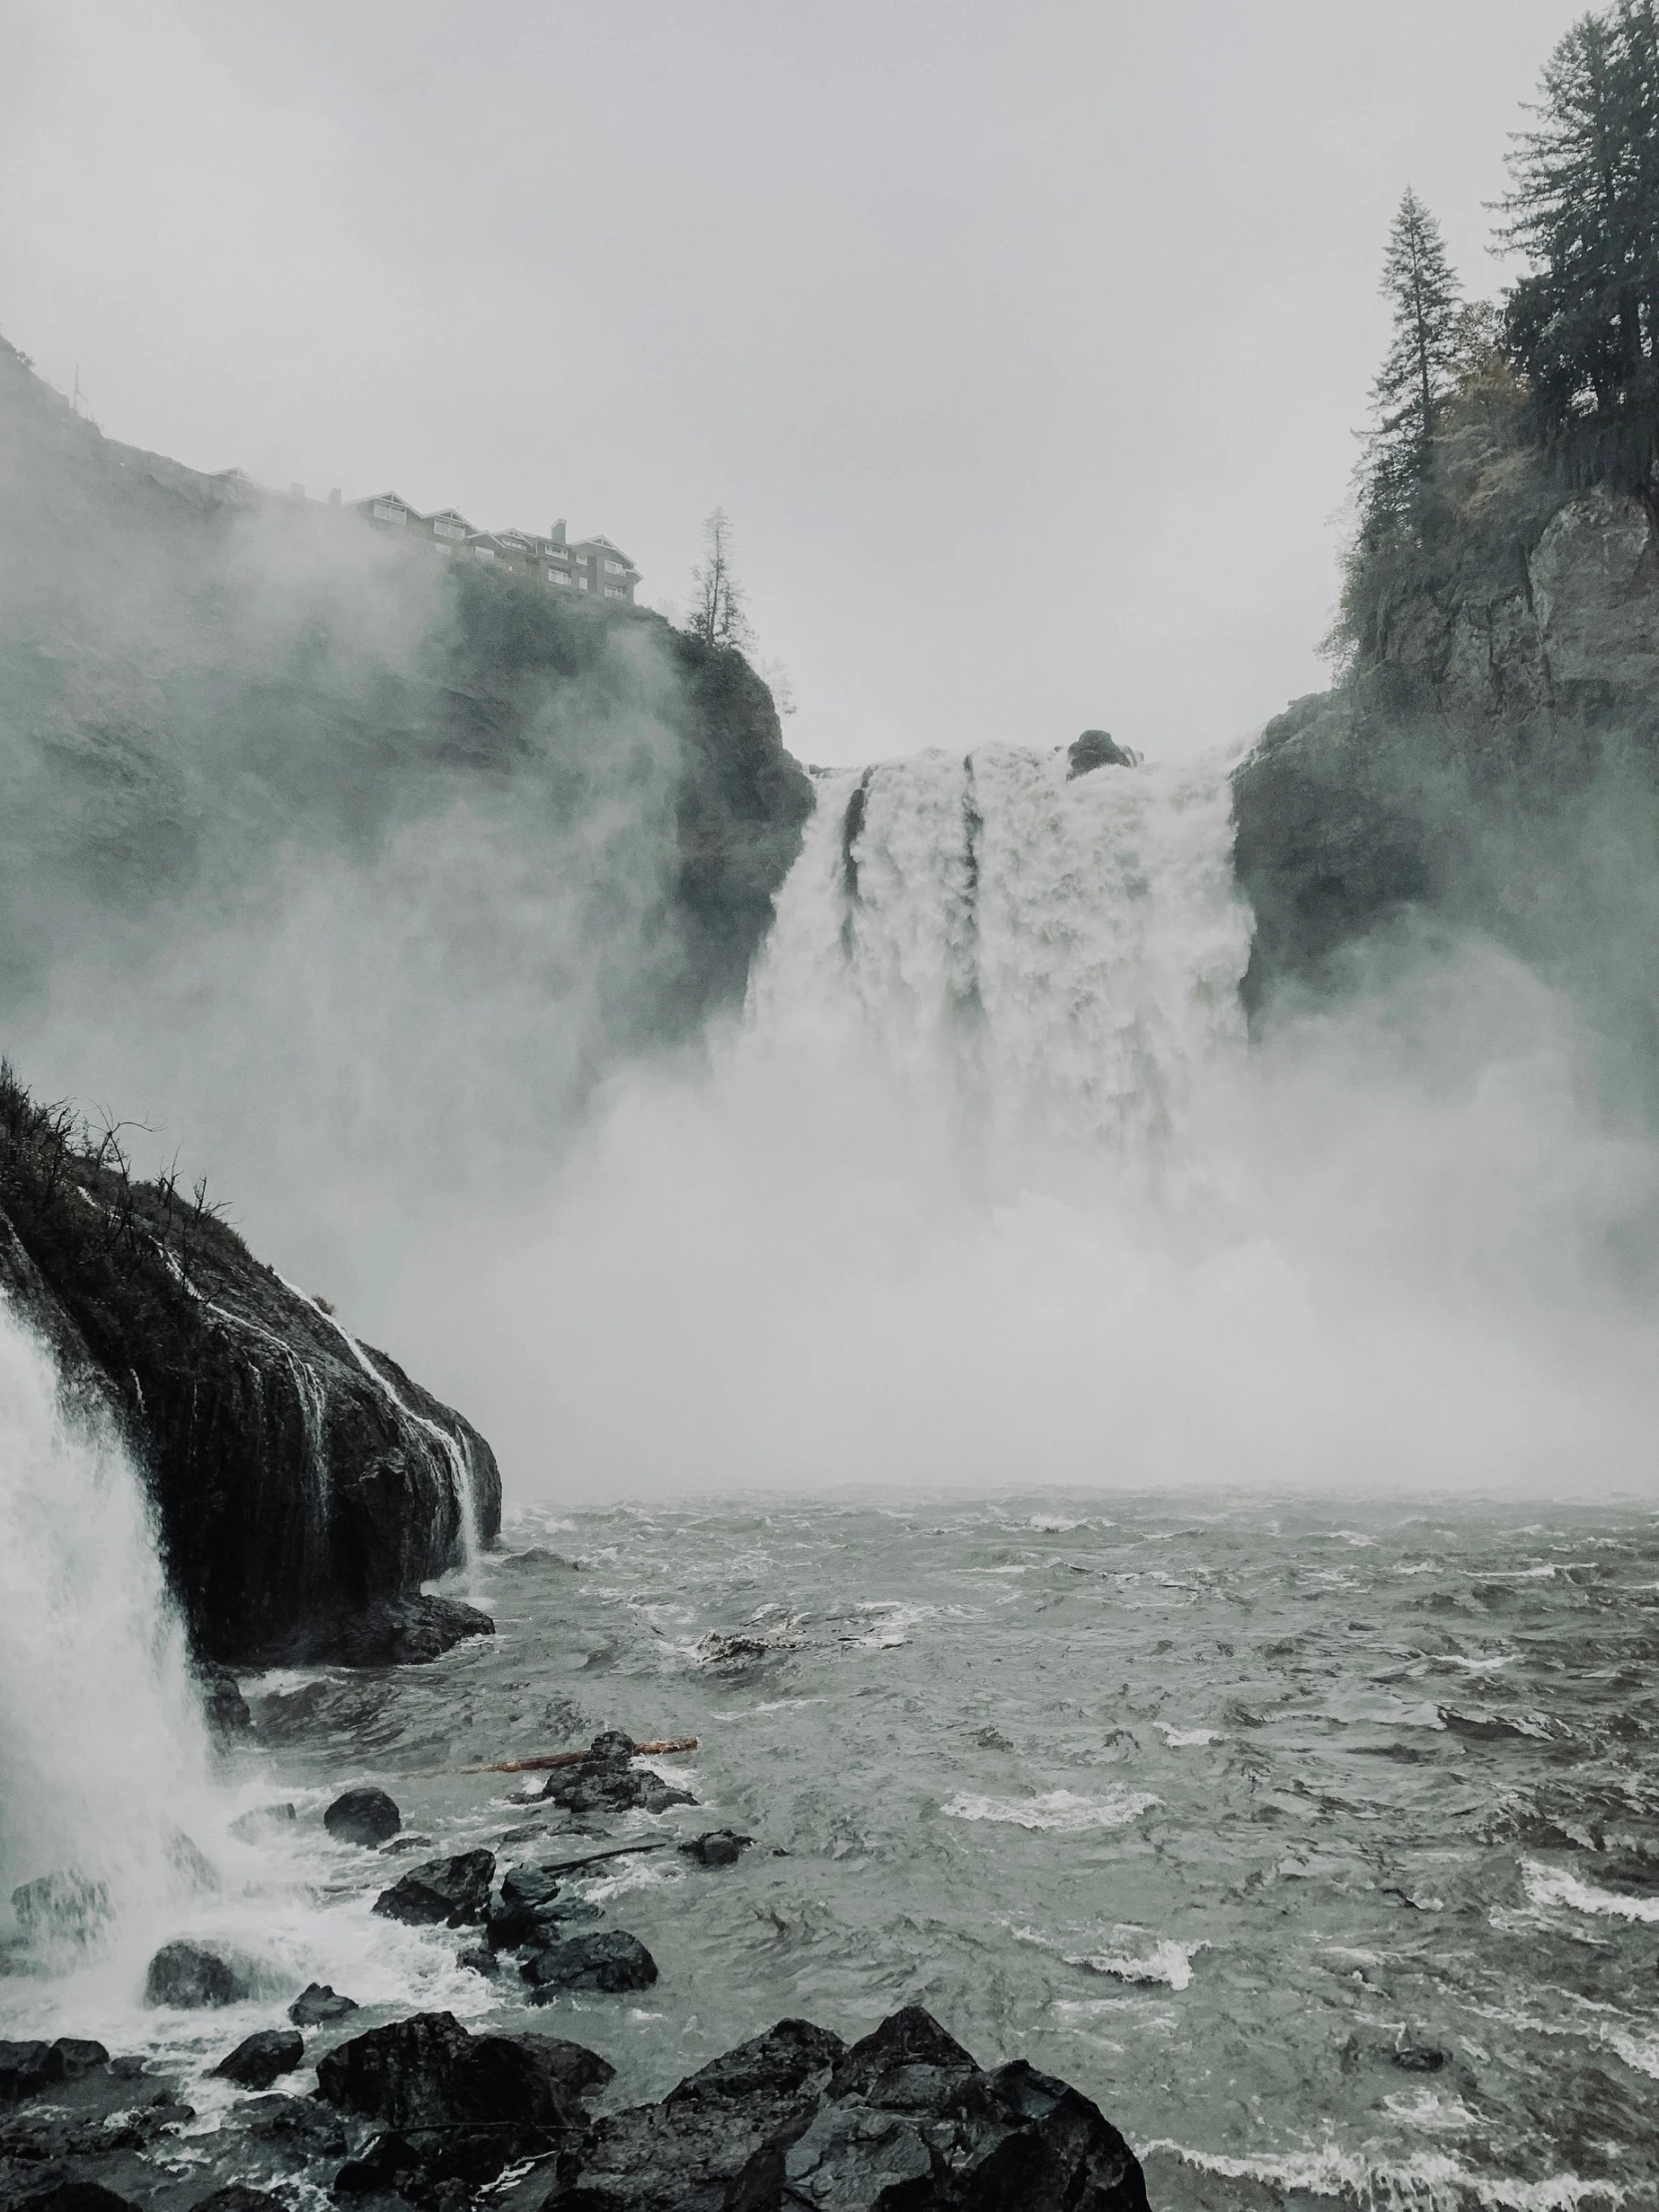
903, 2118
452, 1890
191, 1975
610, 1961
316, 2003
259, 2058
367, 1817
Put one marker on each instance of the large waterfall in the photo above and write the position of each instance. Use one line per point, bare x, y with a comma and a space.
1044, 962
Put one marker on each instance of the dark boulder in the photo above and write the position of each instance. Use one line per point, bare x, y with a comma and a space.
224, 1702
240, 2196
904, 2119
457, 2105
299, 2130
257, 2059
406, 1631
78, 2055
606, 1781
367, 1817
1096, 748
693, 2147
25, 2069
1418, 2058
318, 2003
611, 1960
719, 1848
76, 2193
191, 1975
451, 1890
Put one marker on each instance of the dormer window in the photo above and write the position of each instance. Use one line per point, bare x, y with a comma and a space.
388, 510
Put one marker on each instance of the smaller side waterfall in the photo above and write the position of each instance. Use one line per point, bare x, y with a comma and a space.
102, 1748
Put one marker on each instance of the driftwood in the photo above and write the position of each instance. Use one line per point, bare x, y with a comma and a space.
593, 1857
551, 1759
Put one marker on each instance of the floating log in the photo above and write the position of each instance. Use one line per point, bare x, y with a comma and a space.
551, 1759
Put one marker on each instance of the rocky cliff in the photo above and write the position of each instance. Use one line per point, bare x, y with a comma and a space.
1496, 763
305, 1486
198, 681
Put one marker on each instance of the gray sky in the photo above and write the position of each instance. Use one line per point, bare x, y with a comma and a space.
1024, 344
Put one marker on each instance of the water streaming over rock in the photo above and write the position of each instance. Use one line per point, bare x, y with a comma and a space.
1043, 962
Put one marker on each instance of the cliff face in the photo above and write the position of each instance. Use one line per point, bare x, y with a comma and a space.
1497, 767
305, 1486
197, 681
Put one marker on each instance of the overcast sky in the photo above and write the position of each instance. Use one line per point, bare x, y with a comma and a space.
1023, 343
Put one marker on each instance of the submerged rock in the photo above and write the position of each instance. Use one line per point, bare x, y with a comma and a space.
240, 2196
75, 2194
318, 2003
66, 1905
722, 1847
608, 1780
259, 2058
906, 2117
451, 1890
609, 1960
406, 1631
367, 1817
191, 1975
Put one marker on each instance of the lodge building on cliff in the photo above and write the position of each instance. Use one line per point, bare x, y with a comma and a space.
590, 565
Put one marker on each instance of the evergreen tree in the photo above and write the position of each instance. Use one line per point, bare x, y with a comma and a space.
1417, 372
718, 615
1581, 327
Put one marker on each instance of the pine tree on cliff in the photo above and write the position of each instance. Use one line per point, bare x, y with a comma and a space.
1582, 325
718, 615
1418, 373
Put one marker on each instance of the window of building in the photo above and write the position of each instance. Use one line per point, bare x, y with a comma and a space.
559, 576
582, 583
615, 591
485, 552
614, 568
450, 529
385, 511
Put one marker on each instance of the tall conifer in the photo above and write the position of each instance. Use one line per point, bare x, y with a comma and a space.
1582, 326
1417, 372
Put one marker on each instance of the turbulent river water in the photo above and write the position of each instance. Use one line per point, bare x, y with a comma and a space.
1316, 1839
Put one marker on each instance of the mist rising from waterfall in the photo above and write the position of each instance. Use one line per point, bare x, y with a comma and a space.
991, 1187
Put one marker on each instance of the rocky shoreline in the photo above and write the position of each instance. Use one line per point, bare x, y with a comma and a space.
426, 2113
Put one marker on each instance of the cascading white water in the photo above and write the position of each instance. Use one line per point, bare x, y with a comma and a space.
1044, 963
102, 1744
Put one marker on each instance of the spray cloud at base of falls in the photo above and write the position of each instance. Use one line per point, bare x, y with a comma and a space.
990, 1186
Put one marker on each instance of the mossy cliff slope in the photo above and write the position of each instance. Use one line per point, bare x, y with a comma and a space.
1490, 757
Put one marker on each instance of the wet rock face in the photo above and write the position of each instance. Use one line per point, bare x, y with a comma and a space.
191, 1977
304, 1485
722, 1847
1096, 748
905, 2118
318, 2004
608, 1782
260, 2058
447, 1892
367, 1817
456, 2105
29, 2067
611, 1960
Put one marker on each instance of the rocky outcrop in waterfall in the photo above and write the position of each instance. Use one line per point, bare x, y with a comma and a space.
1494, 763
305, 1486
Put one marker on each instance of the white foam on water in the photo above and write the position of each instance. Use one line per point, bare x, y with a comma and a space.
1180, 1739
1057, 1809
1554, 1885
1166, 1963
1431, 2182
